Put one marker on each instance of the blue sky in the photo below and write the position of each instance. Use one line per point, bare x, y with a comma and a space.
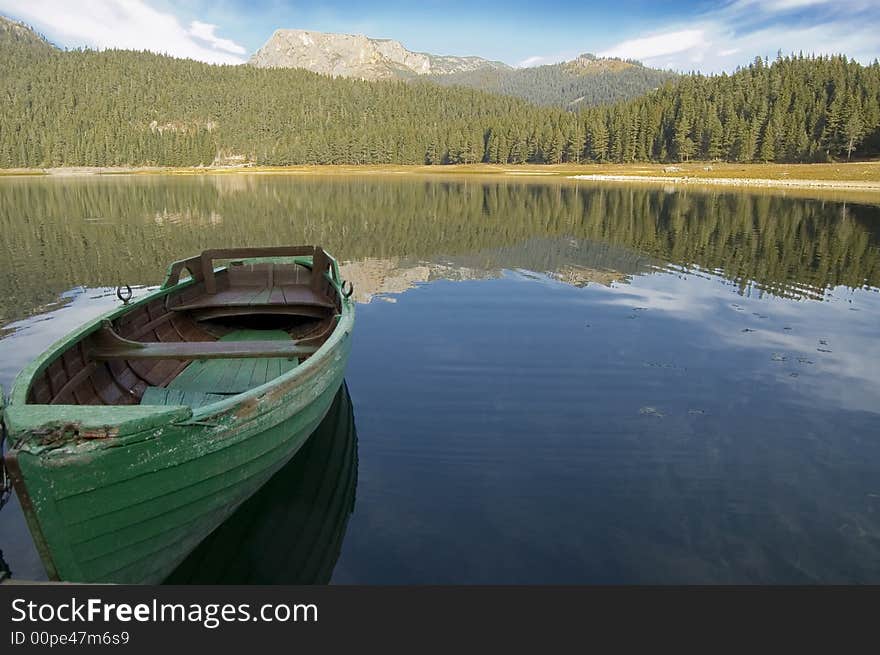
689, 35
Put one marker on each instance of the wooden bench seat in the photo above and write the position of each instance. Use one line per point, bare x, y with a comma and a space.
108, 345
288, 300
261, 298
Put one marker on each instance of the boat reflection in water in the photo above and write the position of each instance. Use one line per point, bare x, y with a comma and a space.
291, 530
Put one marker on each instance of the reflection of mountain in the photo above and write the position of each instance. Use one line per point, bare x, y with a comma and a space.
61, 233
373, 277
567, 260
580, 276
291, 530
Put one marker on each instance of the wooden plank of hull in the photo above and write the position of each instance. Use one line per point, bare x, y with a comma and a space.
132, 514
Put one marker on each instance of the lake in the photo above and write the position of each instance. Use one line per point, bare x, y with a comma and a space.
550, 382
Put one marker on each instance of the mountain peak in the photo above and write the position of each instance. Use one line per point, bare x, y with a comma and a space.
590, 63
358, 56
12, 30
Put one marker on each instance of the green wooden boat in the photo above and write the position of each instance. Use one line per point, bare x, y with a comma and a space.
138, 434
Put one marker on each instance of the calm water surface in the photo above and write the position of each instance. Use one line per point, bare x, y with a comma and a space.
551, 382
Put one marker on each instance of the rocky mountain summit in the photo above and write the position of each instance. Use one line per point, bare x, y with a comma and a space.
588, 63
16, 32
358, 56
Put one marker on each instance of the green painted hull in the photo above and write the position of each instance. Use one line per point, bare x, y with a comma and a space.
291, 530
129, 506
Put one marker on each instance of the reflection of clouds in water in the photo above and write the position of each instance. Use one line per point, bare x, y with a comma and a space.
664, 444
847, 375
660, 291
28, 338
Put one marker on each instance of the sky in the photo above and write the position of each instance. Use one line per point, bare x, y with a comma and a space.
692, 35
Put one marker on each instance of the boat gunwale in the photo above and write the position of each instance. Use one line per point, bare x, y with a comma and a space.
21, 385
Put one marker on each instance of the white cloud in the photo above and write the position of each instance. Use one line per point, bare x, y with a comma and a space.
778, 5
541, 60
751, 28
205, 32
736, 32
659, 45
537, 60
846, 377
126, 24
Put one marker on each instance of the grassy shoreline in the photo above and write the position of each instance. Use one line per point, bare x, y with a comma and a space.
853, 176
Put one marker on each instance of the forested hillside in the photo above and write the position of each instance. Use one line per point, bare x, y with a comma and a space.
87, 108
122, 107
584, 82
795, 109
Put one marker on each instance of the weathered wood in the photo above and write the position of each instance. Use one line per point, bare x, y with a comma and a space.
296, 294
236, 375
278, 287
320, 264
203, 350
149, 327
89, 421
71, 384
109, 345
260, 300
193, 265
176, 397
208, 257
279, 310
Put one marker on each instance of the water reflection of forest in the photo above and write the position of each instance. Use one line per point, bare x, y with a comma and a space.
58, 234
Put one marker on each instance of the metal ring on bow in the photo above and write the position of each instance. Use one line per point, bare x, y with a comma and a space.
350, 289
124, 297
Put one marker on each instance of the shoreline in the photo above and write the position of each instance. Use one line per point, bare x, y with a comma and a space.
862, 177
767, 183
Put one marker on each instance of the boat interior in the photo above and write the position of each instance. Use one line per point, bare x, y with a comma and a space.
233, 329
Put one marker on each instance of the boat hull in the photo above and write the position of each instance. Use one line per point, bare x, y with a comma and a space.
131, 513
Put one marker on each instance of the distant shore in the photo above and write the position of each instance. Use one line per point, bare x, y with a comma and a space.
737, 182
855, 176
